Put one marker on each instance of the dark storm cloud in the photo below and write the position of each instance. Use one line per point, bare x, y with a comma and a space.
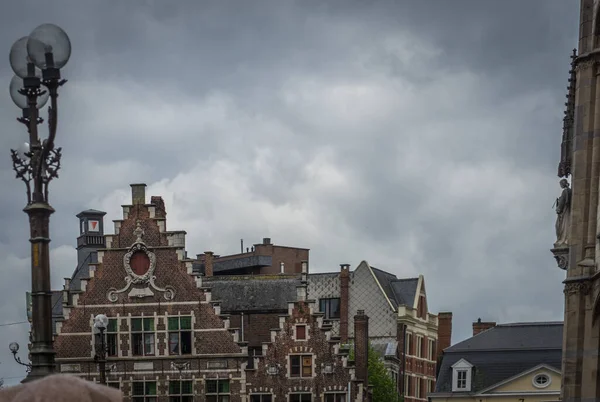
421, 136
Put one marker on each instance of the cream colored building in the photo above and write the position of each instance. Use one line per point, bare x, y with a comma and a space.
510, 362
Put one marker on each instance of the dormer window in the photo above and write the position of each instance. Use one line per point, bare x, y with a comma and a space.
461, 376
300, 332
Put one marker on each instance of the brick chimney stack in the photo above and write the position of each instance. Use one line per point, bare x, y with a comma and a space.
138, 194
361, 346
344, 301
444, 332
208, 263
159, 204
479, 326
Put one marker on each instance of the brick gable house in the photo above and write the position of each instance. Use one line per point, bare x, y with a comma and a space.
167, 337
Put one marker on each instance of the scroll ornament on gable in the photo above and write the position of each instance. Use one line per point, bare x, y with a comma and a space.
139, 263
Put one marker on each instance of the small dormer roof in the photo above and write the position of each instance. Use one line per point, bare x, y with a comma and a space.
462, 363
91, 212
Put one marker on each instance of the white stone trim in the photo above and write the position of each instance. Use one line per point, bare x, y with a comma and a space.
538, 386
461, 366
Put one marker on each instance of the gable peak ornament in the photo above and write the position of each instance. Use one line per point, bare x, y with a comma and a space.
139, 263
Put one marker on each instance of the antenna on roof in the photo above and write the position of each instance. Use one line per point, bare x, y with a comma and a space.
242, 246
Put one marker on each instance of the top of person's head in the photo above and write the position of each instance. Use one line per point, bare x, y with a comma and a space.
60, 388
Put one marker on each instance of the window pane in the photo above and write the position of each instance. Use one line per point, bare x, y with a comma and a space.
322, 305
186, 387
136, 324
300, 331
224, 398
294, 366
211, 387
111, 344
294, 398
137, 344
186, 343
149, 344
174, 399
151, 388
306, 371
114, 385
112, 325
334, 308
173, 323
186, 322
174, 343
138, 388
224, 386
188, 398
148, 324
267, 398
306, 398
174, 387
211, 398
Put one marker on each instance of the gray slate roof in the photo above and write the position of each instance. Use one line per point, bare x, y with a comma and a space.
401, 292
253, 294
502, 352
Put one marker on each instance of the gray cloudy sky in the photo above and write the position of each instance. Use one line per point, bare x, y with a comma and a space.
421, 136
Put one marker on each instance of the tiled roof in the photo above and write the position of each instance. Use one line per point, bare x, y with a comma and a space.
401, 292
502, 352
253, 294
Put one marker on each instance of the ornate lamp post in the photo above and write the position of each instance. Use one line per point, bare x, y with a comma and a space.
36, 60
100, 324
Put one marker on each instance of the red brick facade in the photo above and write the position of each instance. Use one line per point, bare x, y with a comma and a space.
148, 309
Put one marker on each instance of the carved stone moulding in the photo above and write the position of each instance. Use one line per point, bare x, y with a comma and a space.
581, 287
561, 255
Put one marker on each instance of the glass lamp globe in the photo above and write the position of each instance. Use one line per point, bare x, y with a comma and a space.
21, 100
19, 57
49, 38
14, 347
101, 321
23, 152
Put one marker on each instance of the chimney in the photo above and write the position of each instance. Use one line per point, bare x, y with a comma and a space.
208, 263
266, 240
344, 301
444, 332
479, 326
159, 205
361, 346
138, 194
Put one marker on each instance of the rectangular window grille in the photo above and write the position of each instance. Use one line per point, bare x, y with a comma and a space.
181, 391
300, 397
461, 379
339, 397
143, 391
261, 398
142, 336
180, 335
331, 308
217, 391
301, 366
111, 338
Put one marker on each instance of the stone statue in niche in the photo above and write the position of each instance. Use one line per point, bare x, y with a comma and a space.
563, 215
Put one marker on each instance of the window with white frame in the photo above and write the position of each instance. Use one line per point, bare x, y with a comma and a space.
430, 349
408, 345
143, 391
142, 336
335, 397
300, 332
301, 397
261, 398
180, 335
461, 376
217, 391
181, 391
419, 346
301, 366
112, 338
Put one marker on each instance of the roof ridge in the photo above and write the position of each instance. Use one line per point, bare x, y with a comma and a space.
405, 279
383, 272
529, 324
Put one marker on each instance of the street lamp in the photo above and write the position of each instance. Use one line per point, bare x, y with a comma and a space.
14, 348
100, 324
36, 60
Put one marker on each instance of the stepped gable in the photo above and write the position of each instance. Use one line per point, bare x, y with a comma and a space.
330, 369
143, 271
